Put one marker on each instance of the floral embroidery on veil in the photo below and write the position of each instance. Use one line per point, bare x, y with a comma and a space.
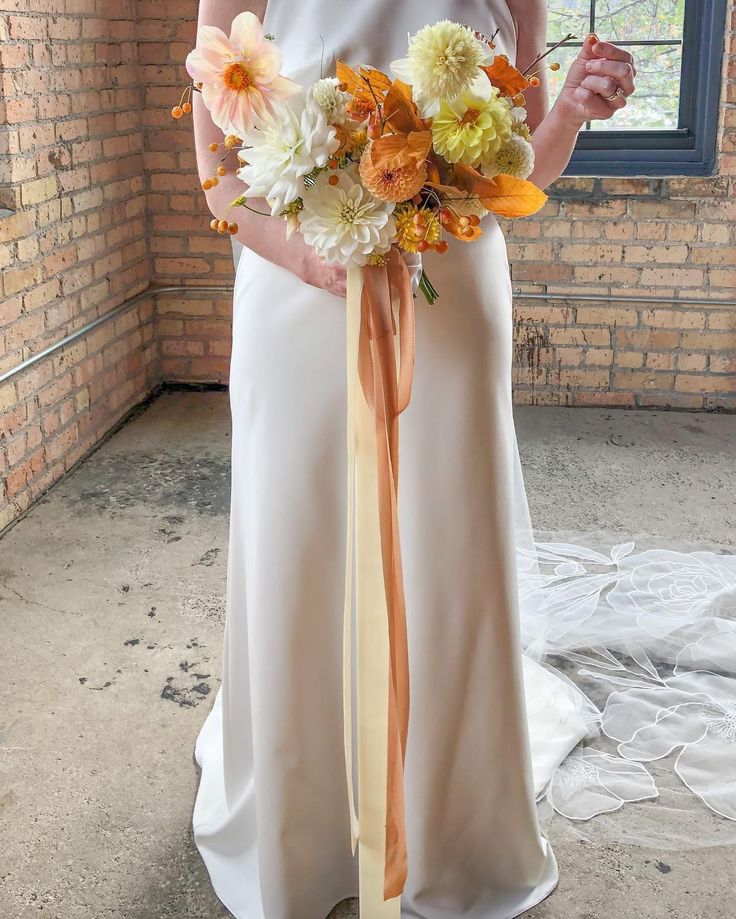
648, 640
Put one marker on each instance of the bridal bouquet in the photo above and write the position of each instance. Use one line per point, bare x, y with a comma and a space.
373, 170
360, 162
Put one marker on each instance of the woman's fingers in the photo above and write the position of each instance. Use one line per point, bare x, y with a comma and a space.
604, 87
620, 71
604, 49
594, 105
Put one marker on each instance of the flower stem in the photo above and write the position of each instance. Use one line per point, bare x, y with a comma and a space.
431, 294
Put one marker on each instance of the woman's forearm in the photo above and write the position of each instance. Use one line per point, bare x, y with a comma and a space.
553, 142
261, 234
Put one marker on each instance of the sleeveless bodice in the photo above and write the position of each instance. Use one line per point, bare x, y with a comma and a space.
374, 31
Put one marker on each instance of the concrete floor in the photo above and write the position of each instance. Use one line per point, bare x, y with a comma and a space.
111, 600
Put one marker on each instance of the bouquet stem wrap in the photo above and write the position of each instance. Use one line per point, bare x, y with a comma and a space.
380, 365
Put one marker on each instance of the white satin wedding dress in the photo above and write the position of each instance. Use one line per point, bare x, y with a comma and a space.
271, 816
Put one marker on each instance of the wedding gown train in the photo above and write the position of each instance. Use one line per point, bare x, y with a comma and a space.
489, 728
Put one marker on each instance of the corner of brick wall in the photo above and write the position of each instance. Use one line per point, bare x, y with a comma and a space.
74, 243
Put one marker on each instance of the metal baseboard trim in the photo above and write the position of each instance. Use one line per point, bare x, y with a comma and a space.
207, 289
106, 317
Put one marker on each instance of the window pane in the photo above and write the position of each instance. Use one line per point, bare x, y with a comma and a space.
568, 16
644, 20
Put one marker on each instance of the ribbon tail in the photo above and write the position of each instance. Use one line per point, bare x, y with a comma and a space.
353, 328
380, 360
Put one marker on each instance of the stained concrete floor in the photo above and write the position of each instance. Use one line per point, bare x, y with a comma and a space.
111, 603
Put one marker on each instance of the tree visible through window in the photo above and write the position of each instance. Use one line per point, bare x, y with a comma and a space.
669, 126
652, 30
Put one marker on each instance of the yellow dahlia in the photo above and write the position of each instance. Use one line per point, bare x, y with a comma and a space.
414, 226
470, 129
395, 183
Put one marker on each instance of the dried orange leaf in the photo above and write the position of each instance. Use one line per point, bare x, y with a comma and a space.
505, 76
513, 197
400, 114
394, 150
367, 86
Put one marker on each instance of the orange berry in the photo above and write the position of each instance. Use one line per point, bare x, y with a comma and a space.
332, 163
333, 180
468, 232
534, 81
222, 226
232, 228
423, 246
221, 171
187, 107
464, 221
213, 147
177, 111
213, 223
441, 247
207, 184
445, 215
474, 220
215, 180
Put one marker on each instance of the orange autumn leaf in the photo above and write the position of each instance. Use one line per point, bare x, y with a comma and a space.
367, 86
471, 181
513, 197
400, 114
395, 150
345, 139
505, 76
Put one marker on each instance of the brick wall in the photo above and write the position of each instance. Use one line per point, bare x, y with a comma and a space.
74, 245
104, 199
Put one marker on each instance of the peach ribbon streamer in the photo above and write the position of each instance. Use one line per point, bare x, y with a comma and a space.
380, 357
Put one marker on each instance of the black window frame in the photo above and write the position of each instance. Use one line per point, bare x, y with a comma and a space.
689, 150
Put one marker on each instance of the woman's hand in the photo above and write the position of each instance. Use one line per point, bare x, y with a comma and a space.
332, 278
598, 83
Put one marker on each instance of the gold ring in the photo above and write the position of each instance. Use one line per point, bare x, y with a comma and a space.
617, 95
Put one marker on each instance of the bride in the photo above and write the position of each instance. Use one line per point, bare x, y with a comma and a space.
271, 817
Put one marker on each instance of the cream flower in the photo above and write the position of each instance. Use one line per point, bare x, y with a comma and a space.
442, 61
471, 129
239, 74
329, 98
283, 149
515, 158
343, 222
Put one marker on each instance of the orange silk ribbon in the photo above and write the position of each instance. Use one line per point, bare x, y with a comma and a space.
387, 390
380, 369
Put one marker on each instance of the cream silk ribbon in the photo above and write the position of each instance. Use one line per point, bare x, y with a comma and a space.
380, 362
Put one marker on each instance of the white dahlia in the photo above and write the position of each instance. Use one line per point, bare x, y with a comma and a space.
285, 147
442, 61
329, 98
344, 222
515, 158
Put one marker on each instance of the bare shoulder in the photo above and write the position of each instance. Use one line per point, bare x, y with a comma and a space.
530, 19
533, 13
